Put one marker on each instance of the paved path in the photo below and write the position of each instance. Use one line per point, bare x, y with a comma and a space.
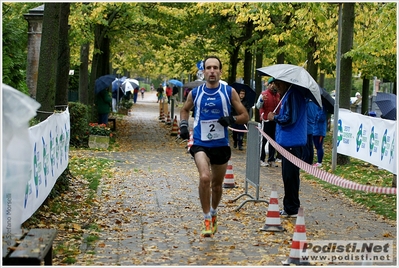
149, 208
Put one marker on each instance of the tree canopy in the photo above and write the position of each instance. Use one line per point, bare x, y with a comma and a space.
165, 40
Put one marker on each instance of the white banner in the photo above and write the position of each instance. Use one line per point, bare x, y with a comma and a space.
50, 155
367, 138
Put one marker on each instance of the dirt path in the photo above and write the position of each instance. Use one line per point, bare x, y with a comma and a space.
150, 214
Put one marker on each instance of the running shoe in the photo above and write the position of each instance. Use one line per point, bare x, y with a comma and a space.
317, 165
214, 224
207, 231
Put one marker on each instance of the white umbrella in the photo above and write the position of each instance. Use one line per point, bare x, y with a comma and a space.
296, 75
129, 85
134, 81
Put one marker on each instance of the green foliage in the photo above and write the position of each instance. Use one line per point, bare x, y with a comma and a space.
363, 173
79, 124
15, 40
126, 104
99, 129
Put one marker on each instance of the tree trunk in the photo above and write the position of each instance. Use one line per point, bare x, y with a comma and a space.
321, 79
233, 60
47, 71
61, 93
249, 26
258, 80
247, 66
280, 56
348, 19
365, 94
84, 74
312, 67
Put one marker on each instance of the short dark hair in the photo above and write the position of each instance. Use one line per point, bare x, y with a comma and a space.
213, 57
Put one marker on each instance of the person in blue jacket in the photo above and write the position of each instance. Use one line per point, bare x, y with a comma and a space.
319, 132
312, 110
291, 134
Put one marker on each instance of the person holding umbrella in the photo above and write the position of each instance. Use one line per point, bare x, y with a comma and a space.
291, 134
212, 102
103, 103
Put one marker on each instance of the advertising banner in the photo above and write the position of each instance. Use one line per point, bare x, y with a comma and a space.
367, 138
50, 150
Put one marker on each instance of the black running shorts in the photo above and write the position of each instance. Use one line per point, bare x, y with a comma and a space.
217, 155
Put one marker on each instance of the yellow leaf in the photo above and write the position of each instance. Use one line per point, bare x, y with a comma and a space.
77, 227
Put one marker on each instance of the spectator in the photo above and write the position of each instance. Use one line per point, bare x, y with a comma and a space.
319, 133
160, 93
135, 94
267, 102
169, 92
117, 95
238, 136
312, 110
103, 103
291, 135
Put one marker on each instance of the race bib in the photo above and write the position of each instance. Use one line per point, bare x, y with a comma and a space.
211, 130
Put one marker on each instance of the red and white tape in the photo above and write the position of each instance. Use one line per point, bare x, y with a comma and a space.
325, 176
239, 130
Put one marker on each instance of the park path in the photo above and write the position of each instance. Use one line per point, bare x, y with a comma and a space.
149, 211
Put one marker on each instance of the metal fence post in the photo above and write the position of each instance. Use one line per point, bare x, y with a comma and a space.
252, 171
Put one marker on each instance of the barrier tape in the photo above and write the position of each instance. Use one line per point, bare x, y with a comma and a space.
325, 176
239, 130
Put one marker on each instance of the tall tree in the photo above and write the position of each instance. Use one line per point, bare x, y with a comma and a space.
63, 60
84, 73
345, 86
46, 82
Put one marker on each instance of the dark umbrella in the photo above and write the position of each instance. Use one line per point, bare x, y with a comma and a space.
193, 84
327, 100
387, 104
250, 94
103, 82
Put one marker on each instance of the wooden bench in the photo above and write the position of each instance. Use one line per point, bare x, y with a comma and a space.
33, 248
113, 120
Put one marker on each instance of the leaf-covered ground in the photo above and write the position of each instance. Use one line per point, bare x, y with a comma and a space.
146, 210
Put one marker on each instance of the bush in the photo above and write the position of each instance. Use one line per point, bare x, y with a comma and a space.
79, 118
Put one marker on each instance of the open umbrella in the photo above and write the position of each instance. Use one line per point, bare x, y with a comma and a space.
176, 82
250, 94
387, 104
327, 100
129, 85
193, 84
116, 84
296, 75
103, 82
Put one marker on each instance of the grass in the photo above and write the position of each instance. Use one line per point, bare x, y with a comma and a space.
67, 211
363, 173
